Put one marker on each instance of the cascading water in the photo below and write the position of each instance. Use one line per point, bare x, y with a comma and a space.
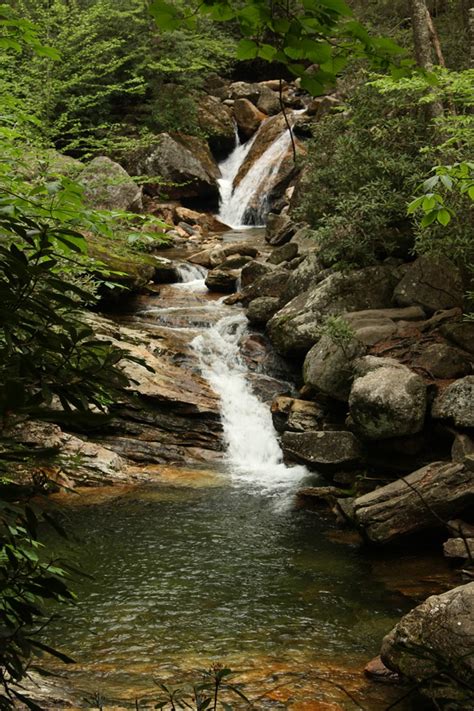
253, 451
235, 202
191, 276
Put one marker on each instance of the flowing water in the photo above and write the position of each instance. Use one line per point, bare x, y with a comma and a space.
217, 563
235, 200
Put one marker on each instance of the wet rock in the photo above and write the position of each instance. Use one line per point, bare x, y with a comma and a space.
188, 170
296, 327
108, 186
218, 255
253, 270
456, 403
328, 366
285, 253
459, 548
387, 401
166, 271
267, 135
260, 310
268, 102
248, 117
377, 671
216, 121
205, 220
432, 646
421, 500
320, 496
235, 261
323, 449
222, 280
433, 283
280, 229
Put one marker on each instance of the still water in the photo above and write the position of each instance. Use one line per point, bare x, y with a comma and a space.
186, 575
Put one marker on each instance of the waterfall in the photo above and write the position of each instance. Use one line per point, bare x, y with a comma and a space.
253, 451
191, 276
235, 202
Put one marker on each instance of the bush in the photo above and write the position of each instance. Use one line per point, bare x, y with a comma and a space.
362, 167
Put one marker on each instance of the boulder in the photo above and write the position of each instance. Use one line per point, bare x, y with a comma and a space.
222, 280
261, 310
271, 284
205, 220
459, 548
305, 276
289, 413
108, 186
432, 646
219, 254
296, 327
420, 501
456, 403
166, 271
328, 366
285, 253
322, 105
247, 117
182, 170
461, 333
253, 270
388, 401
244, 90
280, 229
235, 261
441, 360
268, 102
322, 449
463, 447
433, 283
217, 123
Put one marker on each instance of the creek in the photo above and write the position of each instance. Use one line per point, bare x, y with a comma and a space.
219, 563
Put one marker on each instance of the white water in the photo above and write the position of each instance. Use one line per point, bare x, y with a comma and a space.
191, 276
253, 451
235, 202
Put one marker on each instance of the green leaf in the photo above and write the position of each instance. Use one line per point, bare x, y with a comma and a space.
266, 51
443, 217
247, 49
429, 218
312, 85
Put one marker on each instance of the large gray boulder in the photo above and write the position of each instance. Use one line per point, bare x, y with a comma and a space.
433, 283
108, 186
422, 500
261, 310
306, 276
280, 229
268, 101
433, 646
296, 327
183, 168
328, 366
271, 284
389, 400
456, 403
323, 449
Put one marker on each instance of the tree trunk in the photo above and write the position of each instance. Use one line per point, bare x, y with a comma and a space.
423, 32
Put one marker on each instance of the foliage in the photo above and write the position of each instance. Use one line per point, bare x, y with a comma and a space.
338, 330
313, 40
28, 580
113, 68
361, 169
445, 205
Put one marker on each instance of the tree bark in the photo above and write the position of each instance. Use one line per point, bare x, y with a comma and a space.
423, 32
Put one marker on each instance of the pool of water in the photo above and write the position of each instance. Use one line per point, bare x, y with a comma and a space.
183, 576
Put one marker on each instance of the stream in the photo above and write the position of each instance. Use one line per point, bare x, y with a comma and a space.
219, 562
